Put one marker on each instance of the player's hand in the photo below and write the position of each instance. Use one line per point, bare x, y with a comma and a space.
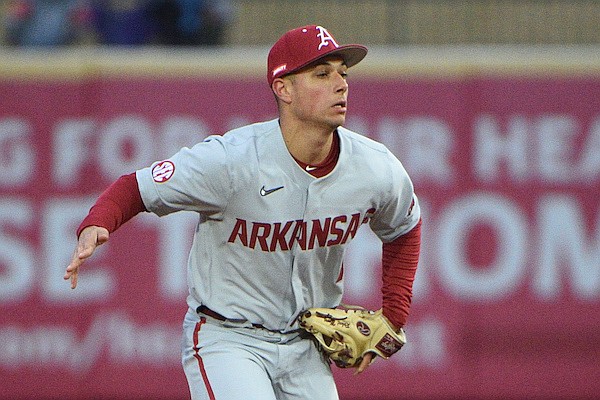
90, 238
366, 361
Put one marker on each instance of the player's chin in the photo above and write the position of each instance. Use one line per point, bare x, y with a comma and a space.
338, 120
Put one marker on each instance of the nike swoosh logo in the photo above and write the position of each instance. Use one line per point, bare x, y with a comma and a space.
265, 192
309, 168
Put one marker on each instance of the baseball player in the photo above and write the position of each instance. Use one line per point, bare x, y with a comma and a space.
278, 202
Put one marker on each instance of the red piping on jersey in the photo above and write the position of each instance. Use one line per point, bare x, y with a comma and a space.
211, 395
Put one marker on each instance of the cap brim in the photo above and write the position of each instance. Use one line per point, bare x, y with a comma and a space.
352, 54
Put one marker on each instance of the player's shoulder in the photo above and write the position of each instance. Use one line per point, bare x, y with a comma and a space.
249, 133
369, 155
362, 143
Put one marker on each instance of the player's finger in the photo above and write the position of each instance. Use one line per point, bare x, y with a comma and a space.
74, 279
364, 363
72, 270
79, 256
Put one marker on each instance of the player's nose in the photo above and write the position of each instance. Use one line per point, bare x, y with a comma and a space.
341, 83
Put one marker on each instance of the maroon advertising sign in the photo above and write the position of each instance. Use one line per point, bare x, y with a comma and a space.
507, 296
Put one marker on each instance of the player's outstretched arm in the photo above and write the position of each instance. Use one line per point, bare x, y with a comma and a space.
89, 239
120, 202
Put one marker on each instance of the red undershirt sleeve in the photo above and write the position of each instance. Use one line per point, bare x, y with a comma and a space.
399, 266
120, 202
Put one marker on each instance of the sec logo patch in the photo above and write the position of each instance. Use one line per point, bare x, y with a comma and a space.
163, 171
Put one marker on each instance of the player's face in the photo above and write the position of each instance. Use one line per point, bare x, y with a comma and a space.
320, 93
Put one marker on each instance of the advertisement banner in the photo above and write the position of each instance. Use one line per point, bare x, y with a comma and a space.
507, 296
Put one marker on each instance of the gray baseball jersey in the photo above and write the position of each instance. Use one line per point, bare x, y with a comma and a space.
271, 237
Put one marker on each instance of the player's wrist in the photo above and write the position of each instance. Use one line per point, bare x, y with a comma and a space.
396, 328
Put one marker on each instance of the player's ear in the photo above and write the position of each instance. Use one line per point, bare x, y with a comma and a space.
282, 89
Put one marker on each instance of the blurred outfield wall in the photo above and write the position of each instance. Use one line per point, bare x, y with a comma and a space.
422, 22
503, 145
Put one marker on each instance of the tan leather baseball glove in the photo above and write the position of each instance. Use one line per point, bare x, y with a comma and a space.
346, 335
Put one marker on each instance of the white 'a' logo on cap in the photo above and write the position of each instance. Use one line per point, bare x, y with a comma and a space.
325, 38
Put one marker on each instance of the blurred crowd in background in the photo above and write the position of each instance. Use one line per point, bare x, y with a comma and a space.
27, 23
116, 22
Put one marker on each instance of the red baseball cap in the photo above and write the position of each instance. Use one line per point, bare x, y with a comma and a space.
301, 46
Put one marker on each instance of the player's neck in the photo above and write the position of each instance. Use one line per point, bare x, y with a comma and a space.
309, 144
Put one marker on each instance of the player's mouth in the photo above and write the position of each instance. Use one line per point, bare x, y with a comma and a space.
340, 105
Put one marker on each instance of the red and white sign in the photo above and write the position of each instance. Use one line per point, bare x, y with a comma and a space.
507, 296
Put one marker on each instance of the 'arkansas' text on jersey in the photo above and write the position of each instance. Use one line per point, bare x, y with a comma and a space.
274, 236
